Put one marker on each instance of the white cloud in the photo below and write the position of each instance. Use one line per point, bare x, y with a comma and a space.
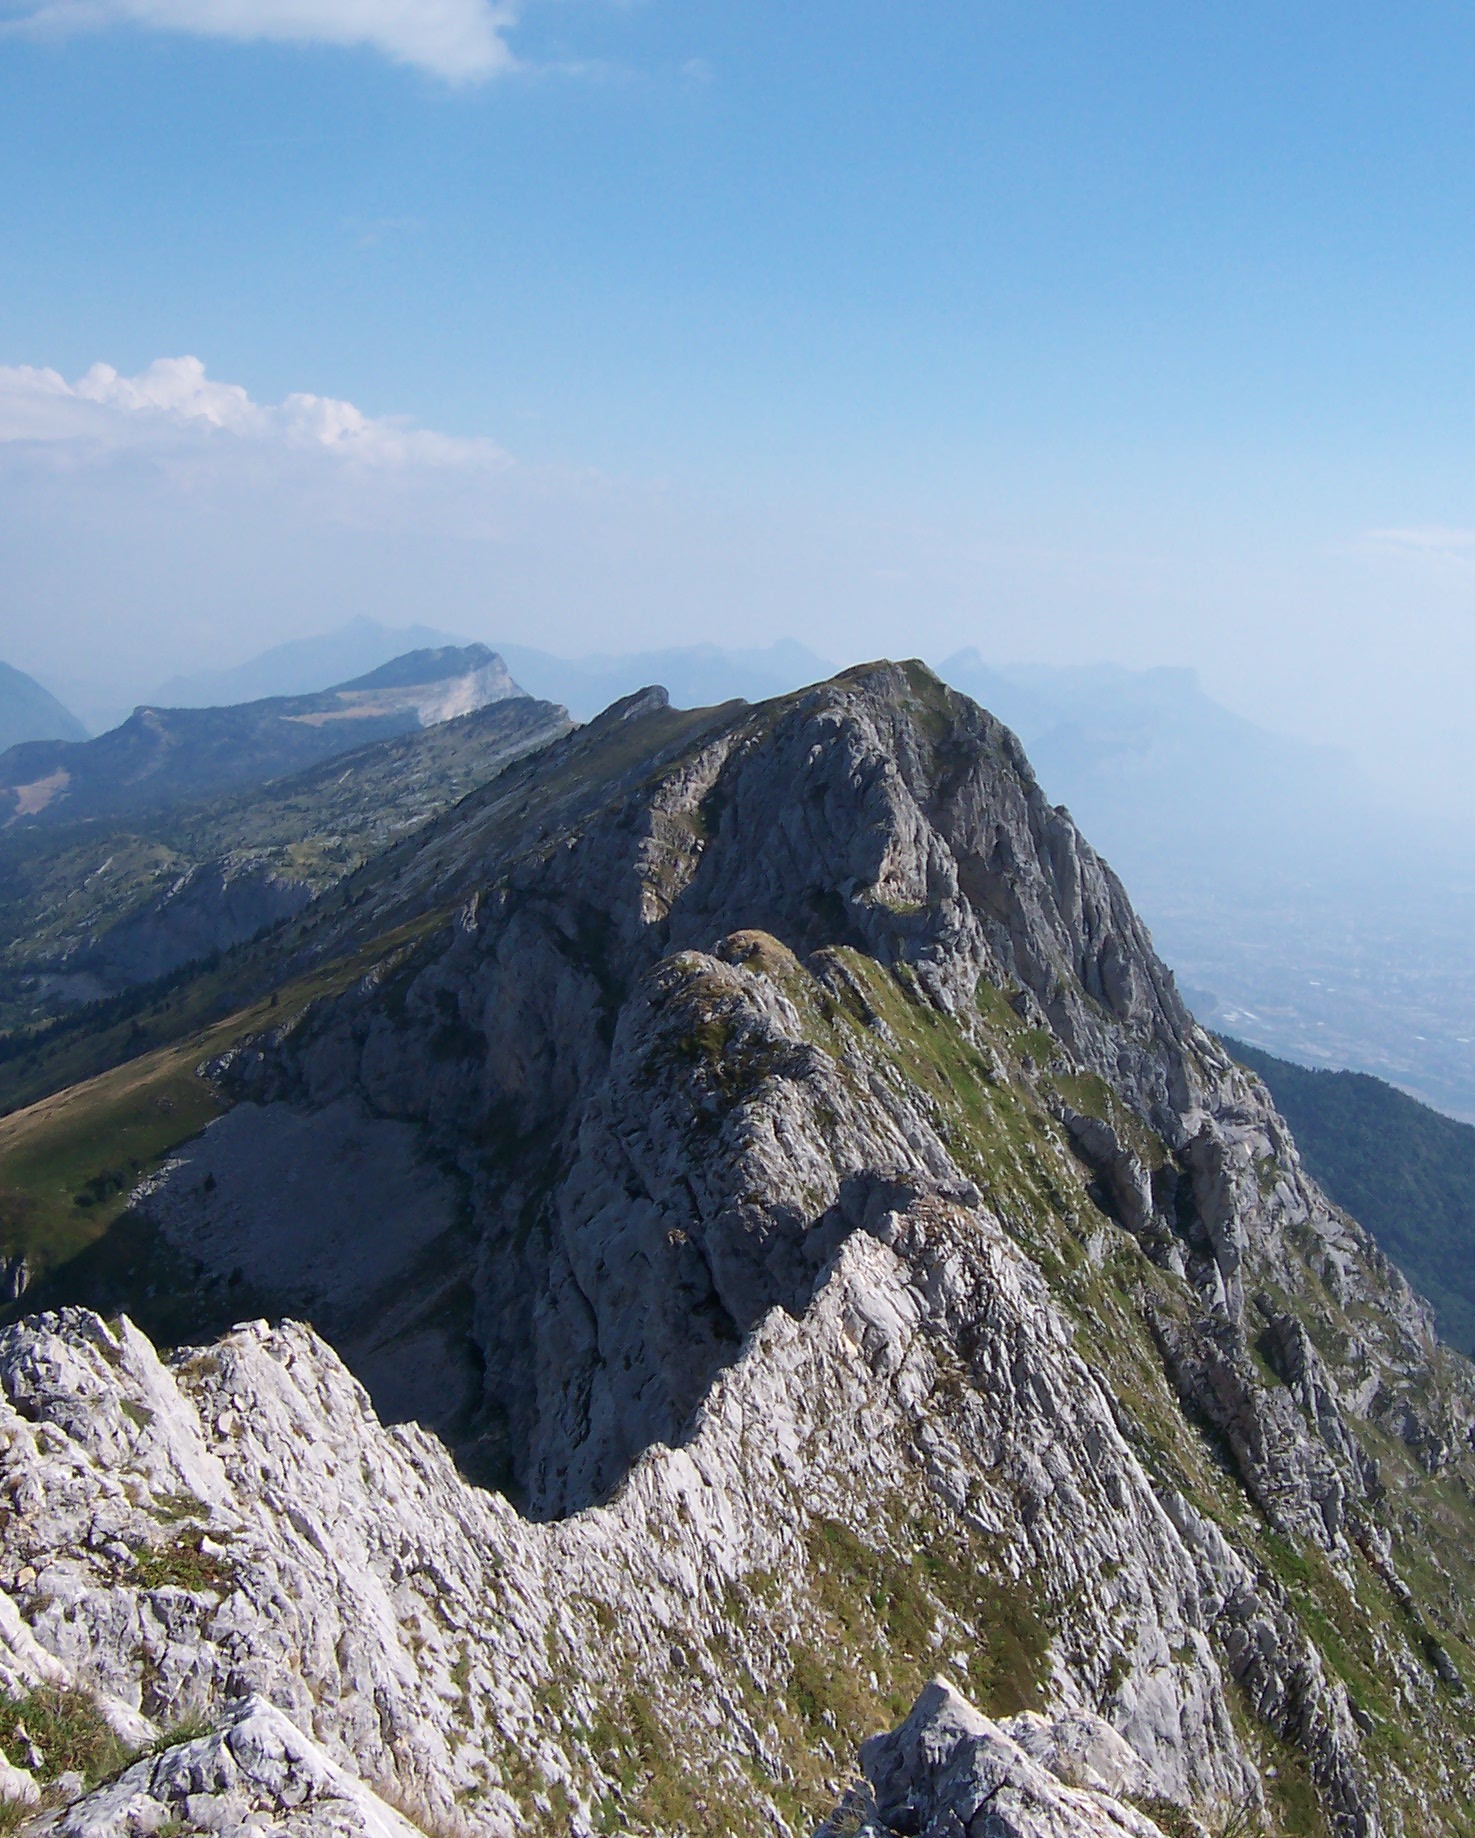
458, 40
175, 407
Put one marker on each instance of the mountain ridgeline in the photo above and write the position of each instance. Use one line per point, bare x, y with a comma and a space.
762, 1147
94, 906
160, 756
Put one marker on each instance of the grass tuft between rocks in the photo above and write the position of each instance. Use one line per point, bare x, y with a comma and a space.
182, 1563
53, 1731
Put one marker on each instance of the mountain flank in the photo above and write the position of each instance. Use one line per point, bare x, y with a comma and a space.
29, 712
1406, 1172
161, 756
94, 909
762, 1147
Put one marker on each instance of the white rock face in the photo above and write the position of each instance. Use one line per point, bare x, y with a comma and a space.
950, 1772
490, 682
238, 1523
258, 1776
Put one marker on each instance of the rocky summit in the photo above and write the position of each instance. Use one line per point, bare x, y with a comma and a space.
808, 1335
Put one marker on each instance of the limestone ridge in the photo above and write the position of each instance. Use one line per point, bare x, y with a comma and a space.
869, 1265
92, 909
164, 756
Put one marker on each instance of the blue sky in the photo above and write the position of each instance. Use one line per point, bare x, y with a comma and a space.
1132, 331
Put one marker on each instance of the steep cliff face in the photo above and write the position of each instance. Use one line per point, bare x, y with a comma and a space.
209, 908
853, 1260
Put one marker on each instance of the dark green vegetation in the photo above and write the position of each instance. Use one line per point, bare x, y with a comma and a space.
54, 1731
1401, 1169
161, 755
181, 1563
70, 1161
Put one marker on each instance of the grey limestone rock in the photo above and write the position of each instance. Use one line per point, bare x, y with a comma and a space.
257, 1776
868, 1266
950, 1772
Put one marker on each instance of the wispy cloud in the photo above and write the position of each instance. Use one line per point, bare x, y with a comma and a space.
1436, 540
175, 405
457, 40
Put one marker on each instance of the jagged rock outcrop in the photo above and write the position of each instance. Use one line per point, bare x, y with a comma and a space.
256, 1775
861, 1261
950, 1772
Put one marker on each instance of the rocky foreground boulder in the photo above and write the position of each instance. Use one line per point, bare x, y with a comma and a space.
951, 1770
843, 1262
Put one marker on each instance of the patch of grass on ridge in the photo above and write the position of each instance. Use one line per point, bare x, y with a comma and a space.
182, 1563
65, 1729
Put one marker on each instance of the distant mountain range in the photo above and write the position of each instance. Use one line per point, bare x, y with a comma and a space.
162, 755
29, 712
1150, 764
695, 676
1300, 911
304, 666
89, 909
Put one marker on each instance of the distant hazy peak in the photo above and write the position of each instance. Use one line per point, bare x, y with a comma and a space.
162, 755
696, 676
303, 666
29, 712
432, 665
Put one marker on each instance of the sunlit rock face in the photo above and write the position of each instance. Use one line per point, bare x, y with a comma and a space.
852, 1264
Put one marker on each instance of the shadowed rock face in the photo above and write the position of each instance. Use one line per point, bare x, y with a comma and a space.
867, 1258
208, 909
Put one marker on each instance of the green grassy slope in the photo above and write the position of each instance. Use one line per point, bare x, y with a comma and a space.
1404, 1171
69, 1160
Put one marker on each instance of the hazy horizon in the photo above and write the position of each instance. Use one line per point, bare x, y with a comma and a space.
1075, 336
236, 670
